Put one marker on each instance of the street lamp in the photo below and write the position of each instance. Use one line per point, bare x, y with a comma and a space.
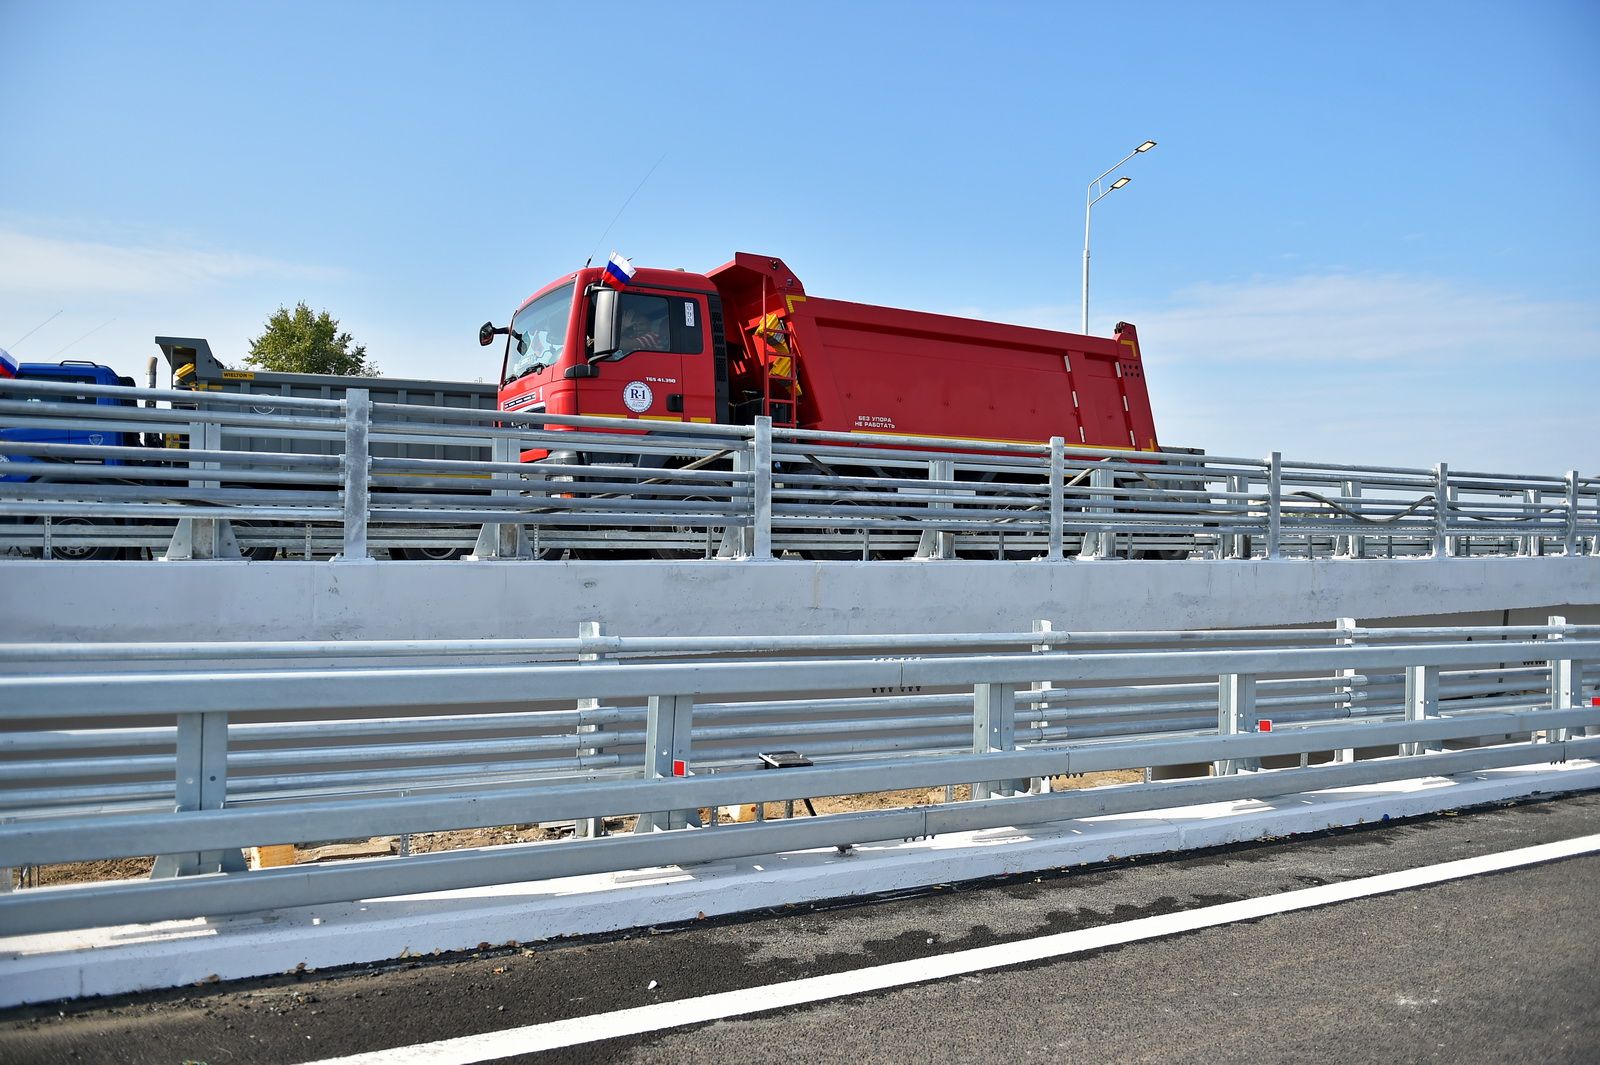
1089, 200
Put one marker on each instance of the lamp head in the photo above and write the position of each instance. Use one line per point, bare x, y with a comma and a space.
1146, 146
1121, 181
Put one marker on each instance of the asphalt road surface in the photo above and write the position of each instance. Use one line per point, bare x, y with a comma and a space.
1498, 967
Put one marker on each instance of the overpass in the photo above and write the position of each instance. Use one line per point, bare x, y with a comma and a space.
1444, 657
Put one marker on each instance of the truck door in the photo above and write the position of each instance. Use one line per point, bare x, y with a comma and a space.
75, 434
82, 407
663, 369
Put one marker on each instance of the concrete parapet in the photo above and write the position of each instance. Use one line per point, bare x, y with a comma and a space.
466, 600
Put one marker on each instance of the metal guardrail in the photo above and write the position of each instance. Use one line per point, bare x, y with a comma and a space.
691, 490
253, 744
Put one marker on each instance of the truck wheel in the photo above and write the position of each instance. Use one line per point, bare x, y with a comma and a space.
431, 554
851, 547
1171, 554
80, 554
689, 532
1138, 552
255, 554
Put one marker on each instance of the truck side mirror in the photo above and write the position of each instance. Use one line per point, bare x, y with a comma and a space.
486, 333
605, 323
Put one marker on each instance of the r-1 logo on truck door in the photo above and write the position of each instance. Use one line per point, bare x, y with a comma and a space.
636, 396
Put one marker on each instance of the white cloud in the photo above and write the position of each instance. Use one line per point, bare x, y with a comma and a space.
1363, 317
1379, 368
1337, 317
50, 264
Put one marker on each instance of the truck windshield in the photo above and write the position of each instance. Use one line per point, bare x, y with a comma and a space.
538, 333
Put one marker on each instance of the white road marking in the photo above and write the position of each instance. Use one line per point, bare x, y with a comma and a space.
574, 1031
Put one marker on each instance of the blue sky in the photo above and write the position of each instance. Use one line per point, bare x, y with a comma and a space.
1370, 231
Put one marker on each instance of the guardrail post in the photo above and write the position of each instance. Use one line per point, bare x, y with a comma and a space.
1058, 503
1236, 716
357, 468
202, 784
669, 723
1569, 545
200, 538
1346, 677
994, 728
1528, 543
1565, 680
502, 539
938, 543
761, 494
1441, 510
1102, 484
1238, 543
1041, 712
1275, 505
1422, 703
588, 630
739, 540
1352, 545
1594, 541
1457, 546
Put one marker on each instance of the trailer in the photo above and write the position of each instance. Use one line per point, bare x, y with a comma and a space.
195, 368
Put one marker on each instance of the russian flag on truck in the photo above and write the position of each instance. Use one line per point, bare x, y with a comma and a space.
8, 365
619, 270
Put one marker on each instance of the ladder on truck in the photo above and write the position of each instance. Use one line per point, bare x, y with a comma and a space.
781, 377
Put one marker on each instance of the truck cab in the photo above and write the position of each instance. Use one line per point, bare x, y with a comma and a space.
66, 373
649, 352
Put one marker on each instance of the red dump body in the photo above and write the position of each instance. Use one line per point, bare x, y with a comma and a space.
866, 369
818, 363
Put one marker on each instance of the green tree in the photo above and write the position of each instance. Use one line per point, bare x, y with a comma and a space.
301, 342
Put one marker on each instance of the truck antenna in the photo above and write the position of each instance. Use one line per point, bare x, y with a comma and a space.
85, 336
601, 242
38, 327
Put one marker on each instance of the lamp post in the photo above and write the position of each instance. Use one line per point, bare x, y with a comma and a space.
1089, 200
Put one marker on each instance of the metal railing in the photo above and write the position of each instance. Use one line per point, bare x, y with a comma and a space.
351, 478
253, 744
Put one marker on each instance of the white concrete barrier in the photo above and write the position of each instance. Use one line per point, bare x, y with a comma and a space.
464, 600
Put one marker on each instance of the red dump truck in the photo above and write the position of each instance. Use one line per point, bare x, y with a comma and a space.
746, 340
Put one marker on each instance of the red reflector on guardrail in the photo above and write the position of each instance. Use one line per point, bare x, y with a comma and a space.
1264, 725
680, 768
